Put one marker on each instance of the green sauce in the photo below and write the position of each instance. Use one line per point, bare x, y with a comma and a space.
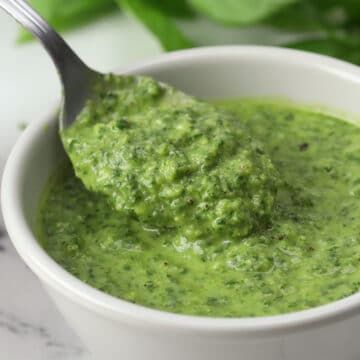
301, 251
171, 161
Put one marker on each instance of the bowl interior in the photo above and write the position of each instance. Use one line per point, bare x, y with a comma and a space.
209, 73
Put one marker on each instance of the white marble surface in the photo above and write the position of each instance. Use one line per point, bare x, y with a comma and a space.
31, 328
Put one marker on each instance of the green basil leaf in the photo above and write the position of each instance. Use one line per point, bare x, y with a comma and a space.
158, 22
302, 16
175, 8
340, 46
240, 12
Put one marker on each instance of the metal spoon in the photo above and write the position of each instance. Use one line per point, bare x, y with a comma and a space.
76, 77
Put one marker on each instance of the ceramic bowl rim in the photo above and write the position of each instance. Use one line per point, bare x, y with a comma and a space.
56, 277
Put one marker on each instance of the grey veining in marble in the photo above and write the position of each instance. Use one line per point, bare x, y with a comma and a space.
22, 330
30, 326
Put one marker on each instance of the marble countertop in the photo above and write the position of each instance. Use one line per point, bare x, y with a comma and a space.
31, 328
30, 325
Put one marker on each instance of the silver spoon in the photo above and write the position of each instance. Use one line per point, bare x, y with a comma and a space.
76, 77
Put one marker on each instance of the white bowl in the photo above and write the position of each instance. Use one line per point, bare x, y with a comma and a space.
116, 329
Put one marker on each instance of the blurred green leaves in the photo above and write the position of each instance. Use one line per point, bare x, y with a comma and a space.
344, 46
67, 14
176, 8
156, 17
239, 12
326, 26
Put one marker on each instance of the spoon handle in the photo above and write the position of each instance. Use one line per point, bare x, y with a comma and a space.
64, 58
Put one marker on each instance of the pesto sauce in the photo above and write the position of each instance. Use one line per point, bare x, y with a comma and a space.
308, 253
171, 161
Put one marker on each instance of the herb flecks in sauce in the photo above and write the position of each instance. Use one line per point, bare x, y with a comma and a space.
309, 256
171, 161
